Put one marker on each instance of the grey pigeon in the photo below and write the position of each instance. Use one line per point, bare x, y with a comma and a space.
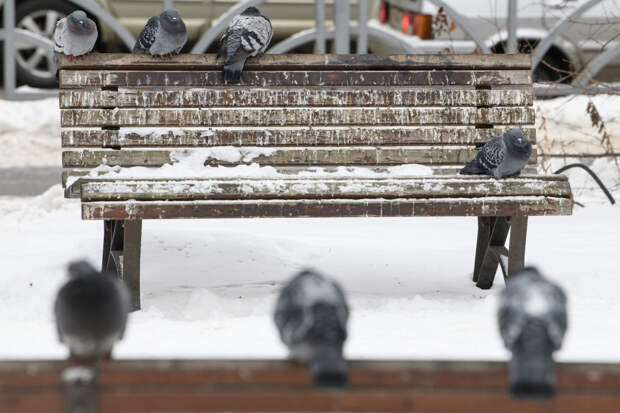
504, 155
75, 35
532, 321
248, 34
163, 35
311, 315
91, 312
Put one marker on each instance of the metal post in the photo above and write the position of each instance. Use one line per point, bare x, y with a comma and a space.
319, 43
342, 17
9, 49
512, 27
362, 30
168, 4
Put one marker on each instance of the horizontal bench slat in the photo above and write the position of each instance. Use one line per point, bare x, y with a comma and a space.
298, 116
72, 174
487, 206
111, 61
390, 155
103, 78
326, 188
296, 97
284, 136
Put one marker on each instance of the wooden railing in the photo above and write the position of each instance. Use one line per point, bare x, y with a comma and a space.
192, 386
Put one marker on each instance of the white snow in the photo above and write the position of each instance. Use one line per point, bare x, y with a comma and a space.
209, 286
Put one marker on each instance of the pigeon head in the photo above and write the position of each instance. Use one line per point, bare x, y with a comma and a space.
78, 269
171, 21
251, 11
516, 139
79, 23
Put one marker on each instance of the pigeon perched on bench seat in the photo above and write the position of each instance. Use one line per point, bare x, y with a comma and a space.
532, 321
311, 315
162, 35
504, 155
91, 312
248, 34
75, 35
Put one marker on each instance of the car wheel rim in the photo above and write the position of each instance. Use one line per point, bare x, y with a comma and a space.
36, 60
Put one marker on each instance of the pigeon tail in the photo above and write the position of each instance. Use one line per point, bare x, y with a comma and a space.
472, 168
328, 367
531, 367
232, 71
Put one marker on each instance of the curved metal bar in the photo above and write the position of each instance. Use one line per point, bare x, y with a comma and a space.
30, 38
308, 35
557, 30
108, 19
465, 25
592, 174
596, 65
220, 24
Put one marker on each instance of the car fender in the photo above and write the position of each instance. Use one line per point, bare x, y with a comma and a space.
565, 46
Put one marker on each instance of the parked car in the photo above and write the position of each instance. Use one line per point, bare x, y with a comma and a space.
35, 65
416, 22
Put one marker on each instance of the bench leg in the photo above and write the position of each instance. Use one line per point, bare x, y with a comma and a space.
516, 253
121, 254
490, 261
485, 226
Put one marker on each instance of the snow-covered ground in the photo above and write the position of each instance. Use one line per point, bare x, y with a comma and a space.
209, 286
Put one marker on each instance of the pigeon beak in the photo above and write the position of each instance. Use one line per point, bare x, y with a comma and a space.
81, 22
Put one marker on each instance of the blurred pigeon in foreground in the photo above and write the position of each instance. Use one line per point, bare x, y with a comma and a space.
248, 34
75, 35
504, 155
163, 35
311, 316
532, 321
91, 312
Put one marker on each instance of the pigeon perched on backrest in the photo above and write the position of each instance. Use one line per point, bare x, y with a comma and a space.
532, 321
163, 35
91, 312
75, 35
504, 155
248, 34
311, 316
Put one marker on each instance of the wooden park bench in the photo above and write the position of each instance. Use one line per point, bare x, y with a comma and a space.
295, 113
202, 386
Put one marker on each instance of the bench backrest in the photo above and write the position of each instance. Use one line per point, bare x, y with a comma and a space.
291, 111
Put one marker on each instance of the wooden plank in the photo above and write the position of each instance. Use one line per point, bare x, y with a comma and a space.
299, 116
70, 175
118, 61
284, 136
321, 188
318, 156
309, 208
296, 97
395, 374
112, 78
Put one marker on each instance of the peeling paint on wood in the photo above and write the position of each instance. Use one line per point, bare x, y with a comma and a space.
299, 116
112, 61
389, 155
296, 97
303, 188
488, 206
285, 136
78, 78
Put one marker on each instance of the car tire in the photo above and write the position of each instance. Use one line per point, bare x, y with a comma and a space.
34, 65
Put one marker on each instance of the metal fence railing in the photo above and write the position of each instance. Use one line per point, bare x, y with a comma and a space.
341, 33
